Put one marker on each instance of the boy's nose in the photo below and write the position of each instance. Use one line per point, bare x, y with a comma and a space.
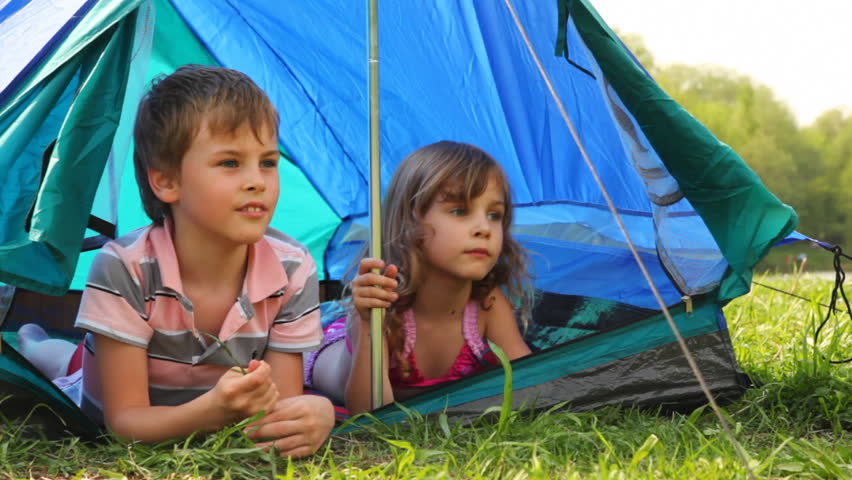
254, 181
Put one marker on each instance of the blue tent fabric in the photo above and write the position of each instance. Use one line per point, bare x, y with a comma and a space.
499, 104
487, 92
29, 40
427, 95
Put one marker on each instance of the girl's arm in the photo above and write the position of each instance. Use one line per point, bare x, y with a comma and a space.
369, 290
123, 371
359, 392
502, 328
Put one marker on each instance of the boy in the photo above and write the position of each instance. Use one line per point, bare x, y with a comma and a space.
165, 330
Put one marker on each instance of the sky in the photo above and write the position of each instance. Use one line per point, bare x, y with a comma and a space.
799, 49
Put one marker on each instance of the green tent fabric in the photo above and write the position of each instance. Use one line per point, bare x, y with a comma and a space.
86, 133
711, 175
29, 395
584, 373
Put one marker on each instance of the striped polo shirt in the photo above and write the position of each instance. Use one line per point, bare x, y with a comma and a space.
134, 295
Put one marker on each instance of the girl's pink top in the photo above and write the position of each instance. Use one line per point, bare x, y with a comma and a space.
473, 357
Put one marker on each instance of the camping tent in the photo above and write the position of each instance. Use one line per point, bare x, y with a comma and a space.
698, 215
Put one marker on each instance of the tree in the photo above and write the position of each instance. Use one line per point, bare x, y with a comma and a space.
824, 211
805, 168
637, 46
744, 115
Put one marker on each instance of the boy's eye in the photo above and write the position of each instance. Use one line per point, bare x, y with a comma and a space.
458, 211
230, 163
269, 163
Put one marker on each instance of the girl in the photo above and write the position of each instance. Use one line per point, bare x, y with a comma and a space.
445, 230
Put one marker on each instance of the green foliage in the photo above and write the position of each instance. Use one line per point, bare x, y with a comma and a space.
829, 172
806, 167
506, 408
814, 394
745, 116
638, 48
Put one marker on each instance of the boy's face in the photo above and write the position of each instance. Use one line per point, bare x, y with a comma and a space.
227, 188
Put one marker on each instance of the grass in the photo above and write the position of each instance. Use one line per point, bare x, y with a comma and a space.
795, 425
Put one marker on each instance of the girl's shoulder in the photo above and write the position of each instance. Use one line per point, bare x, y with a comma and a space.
493, 312
501, 326
495, 305
486, 313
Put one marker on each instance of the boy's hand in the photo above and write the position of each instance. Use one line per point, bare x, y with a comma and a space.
373, 290
297, 426
239, 396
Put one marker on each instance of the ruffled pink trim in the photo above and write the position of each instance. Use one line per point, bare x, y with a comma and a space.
410, 332
470, 329
469, 360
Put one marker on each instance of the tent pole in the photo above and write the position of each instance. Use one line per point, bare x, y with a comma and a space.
376, 342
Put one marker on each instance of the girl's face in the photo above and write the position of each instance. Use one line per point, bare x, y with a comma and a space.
463, 240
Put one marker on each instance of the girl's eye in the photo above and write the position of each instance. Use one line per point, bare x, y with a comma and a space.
229, 163
495, 216
458, 212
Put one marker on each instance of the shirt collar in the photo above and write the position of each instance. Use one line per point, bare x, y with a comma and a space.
265, 274
164, 253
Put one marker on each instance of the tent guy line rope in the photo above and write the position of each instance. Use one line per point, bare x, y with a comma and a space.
829, 308
839, 278
791, 294
680, 340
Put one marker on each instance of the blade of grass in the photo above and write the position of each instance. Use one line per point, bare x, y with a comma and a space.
506, 408
224, 347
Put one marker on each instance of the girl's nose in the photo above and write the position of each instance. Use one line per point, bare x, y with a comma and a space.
482, 228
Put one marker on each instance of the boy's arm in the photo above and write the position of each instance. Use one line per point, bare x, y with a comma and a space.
287, 372
298, 424
296, 326
502, 328
123, 371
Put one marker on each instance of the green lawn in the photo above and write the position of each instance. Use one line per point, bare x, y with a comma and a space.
798, 424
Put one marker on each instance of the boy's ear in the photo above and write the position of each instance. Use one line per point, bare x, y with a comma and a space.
165, 186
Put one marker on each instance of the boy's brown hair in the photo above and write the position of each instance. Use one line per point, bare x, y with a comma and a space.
171, 113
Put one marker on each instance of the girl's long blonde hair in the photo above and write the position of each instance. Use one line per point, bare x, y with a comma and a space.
461, 171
